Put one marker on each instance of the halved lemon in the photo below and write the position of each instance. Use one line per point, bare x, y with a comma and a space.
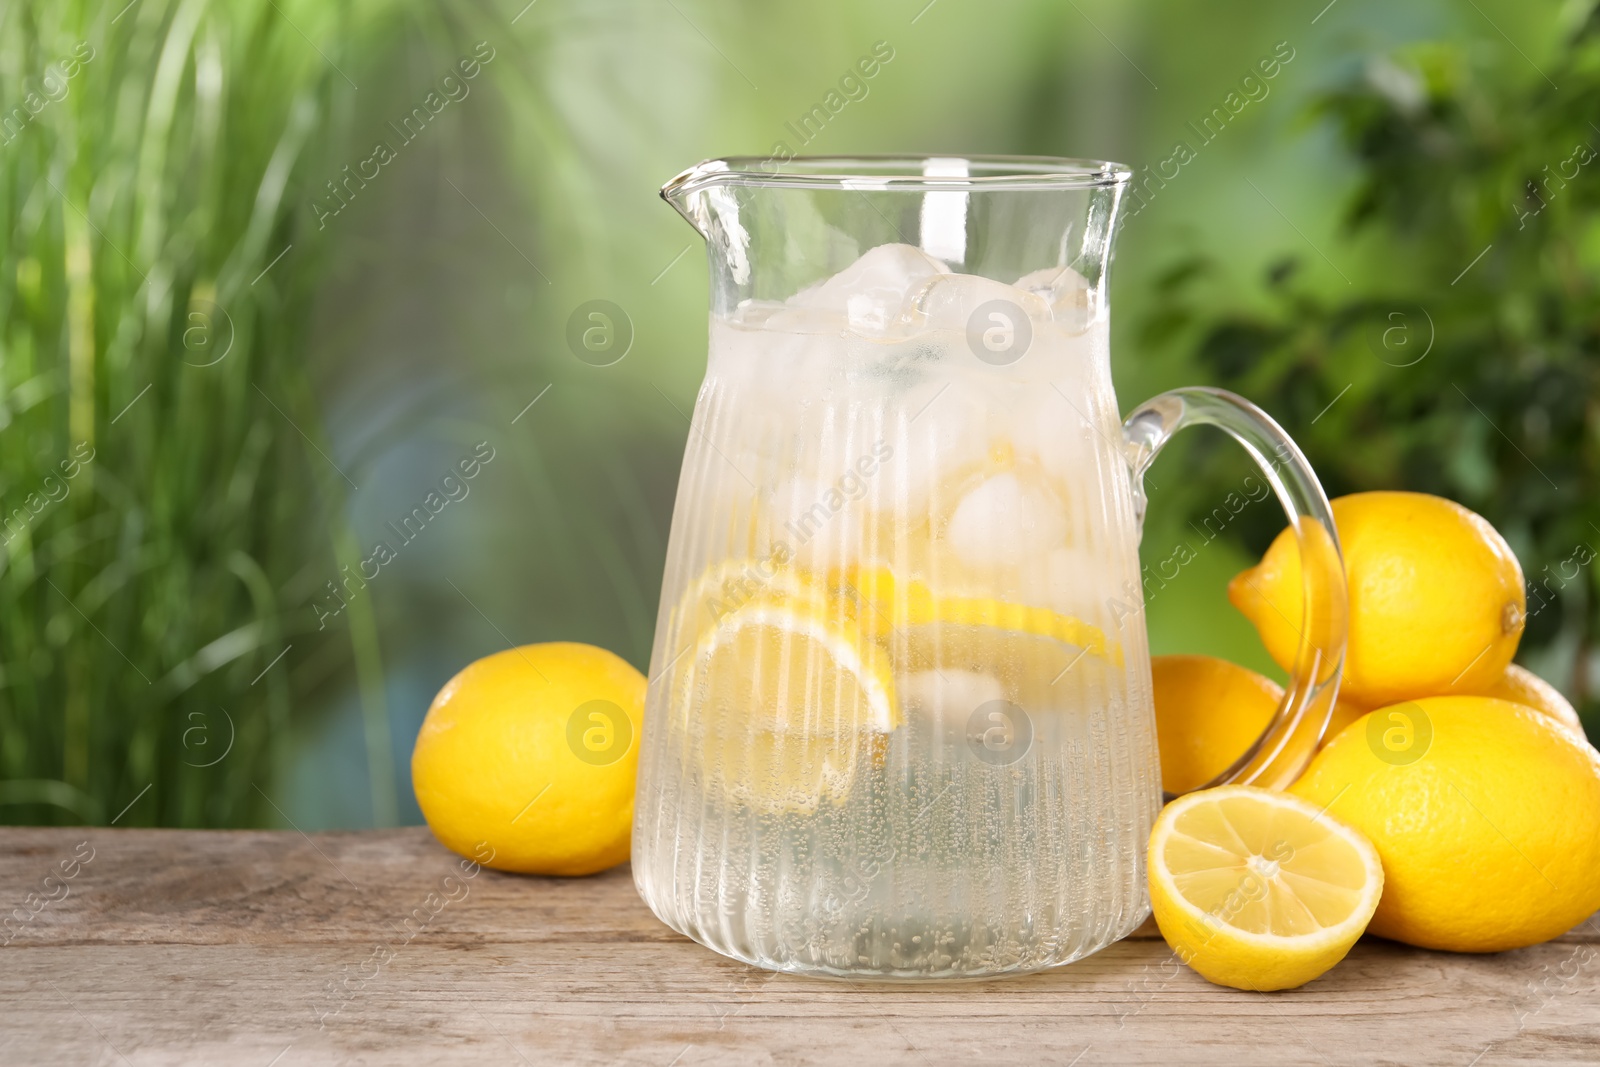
1257, 889
792, 702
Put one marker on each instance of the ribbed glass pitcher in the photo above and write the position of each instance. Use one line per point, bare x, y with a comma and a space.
899, 721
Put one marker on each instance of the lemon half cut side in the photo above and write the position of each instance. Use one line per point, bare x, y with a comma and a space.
1257, 889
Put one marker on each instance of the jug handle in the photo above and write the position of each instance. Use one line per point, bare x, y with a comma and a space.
1281, 753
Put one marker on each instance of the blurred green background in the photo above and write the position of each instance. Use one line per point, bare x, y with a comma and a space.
256, 339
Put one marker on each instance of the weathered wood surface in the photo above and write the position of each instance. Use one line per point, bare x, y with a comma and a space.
269, 948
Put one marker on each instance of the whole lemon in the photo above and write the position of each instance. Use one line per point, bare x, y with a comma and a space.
1522, 686
1486, 815
1344, 713
1518, 685
1436, 598
1208, 714
528, 757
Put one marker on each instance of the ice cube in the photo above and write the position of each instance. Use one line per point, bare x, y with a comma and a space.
948, 698
1039, 281
1055, 433
805, 320
1072, 300
1006, 522
769, 366
948, 302
870, 292
946, 428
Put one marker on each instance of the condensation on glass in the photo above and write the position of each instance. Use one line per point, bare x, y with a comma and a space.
899, 722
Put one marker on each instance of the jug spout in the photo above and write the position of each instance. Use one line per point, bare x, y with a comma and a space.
687, 192
702, 195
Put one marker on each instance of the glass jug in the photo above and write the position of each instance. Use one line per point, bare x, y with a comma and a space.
899, 722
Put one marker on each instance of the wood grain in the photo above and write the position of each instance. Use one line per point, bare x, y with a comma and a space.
277, 948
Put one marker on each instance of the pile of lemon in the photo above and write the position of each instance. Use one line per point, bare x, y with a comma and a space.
1454, 804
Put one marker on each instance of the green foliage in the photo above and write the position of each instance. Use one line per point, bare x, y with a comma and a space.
160, 504
1467, 362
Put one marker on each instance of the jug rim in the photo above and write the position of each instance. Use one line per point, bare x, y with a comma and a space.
900, 173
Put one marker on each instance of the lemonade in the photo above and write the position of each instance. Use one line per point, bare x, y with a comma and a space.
899, 721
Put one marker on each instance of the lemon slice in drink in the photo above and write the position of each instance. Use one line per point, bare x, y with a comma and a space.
1041, 658
729, 584
792, 702
886, 603
1257, 889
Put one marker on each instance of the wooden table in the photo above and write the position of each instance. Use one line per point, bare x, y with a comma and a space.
269, 948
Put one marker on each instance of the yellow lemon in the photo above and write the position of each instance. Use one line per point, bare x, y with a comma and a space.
1436, 598
1518, 685
1208, 714
1257, 889
792, 701
1041, 659
1521, 686
528, 757
1344, 713
1486, 815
